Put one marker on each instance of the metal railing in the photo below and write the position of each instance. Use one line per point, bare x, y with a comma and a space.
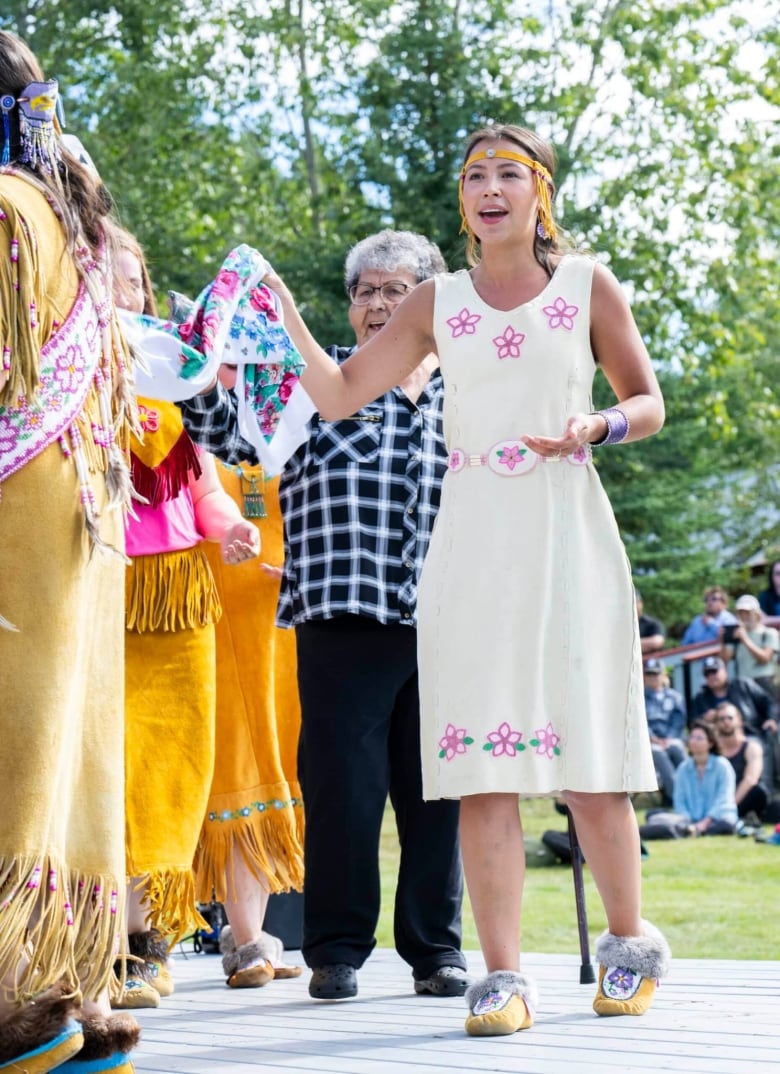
684, 663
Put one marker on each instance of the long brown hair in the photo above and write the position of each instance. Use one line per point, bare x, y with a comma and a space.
120, 239
81, 199
537, 149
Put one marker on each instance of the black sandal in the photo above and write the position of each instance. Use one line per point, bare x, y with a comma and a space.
337, 981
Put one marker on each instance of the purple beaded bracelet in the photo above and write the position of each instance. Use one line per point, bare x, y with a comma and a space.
618, 426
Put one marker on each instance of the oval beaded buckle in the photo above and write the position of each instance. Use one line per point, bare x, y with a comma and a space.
511, 458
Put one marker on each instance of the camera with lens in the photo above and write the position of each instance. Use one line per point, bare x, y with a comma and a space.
728, 633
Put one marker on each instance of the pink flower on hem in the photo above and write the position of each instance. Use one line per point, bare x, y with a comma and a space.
454, 741
510, 456
464, 323
546, 741
508, 343
504, 741
561, 314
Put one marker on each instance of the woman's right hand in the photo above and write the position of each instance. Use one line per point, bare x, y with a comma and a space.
276, 284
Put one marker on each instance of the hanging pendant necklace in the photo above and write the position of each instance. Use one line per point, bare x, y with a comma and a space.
252, 487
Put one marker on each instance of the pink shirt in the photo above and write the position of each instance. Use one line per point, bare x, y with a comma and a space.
171, 527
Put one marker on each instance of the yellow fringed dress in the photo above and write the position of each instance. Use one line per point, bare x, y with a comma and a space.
171, 608
61, 682
255, 808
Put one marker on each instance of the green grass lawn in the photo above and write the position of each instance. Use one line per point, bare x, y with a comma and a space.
716, 897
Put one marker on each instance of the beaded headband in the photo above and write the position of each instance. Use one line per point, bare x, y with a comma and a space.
38, 103
546, 227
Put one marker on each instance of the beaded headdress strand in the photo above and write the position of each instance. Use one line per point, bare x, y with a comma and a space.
37, 104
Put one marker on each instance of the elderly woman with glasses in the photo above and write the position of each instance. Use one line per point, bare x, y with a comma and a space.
359, 499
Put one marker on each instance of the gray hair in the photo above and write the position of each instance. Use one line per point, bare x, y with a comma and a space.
390, 250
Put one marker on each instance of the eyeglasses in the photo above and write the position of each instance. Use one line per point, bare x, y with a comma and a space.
711, 671
360, 294
722, 719
711, 597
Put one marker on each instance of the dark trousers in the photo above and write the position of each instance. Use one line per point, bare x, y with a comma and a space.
666, 762
755, 801
360, 741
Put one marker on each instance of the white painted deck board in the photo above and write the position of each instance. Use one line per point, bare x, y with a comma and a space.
709, 1017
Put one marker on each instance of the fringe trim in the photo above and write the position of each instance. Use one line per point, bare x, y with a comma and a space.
270, 844
66, 922
170, 894
170, 591
100, 435
164, 482
19, 330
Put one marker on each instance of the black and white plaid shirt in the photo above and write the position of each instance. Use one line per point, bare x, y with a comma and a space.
359, 499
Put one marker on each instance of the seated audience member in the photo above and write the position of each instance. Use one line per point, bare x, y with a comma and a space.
704, 786
769, 598
759, 711
746, 757
708, 625
665, 710
752, 646
651, 631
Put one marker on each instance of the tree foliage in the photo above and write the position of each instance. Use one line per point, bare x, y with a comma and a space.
302, 125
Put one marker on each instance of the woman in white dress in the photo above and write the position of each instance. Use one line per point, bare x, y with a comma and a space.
530, 664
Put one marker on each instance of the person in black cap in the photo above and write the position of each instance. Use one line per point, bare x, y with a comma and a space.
665, 710
759, 711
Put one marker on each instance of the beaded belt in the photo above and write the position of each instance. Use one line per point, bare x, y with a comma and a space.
512, 458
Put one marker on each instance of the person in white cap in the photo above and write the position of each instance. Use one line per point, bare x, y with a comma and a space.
753, 646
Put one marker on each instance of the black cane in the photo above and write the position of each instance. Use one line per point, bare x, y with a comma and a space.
587, 973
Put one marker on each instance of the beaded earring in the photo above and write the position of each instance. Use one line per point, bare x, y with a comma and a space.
7, 103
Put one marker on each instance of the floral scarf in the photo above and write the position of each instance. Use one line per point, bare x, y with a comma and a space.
235, 320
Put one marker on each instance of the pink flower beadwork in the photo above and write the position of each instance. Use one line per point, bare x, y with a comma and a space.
454, 741
560, 314
69, 369
509, 342
8, 434
511, 456
546, 742
504, 741
464, 323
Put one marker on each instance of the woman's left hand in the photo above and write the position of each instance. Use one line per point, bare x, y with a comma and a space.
240, 541
580, 429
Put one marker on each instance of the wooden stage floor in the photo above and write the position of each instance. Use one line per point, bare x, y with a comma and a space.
708, 1017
